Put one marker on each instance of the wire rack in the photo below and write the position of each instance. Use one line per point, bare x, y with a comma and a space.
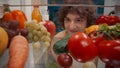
64, 5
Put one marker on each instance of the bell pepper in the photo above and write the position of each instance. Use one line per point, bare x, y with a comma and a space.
91, 29
20, 17
17, 15
7, 17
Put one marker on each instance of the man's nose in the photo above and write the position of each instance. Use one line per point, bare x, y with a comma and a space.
72, 25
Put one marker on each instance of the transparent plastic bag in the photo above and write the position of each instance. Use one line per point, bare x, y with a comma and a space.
37, 57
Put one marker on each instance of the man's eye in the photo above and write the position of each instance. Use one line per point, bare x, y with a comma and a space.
67, 19
79, 20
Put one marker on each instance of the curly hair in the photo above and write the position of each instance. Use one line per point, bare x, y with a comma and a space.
87, 13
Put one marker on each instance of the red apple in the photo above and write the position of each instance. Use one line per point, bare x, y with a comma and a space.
50, 27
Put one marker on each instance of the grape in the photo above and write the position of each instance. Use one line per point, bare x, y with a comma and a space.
43, 30
24, 32
12, 28
17, 31
37, 45
34, 32
35, 38
42, 38
46, 43
47, 38
30, 40
37, 32
29, 29
37, 27
11, 33
14, 25
5, 25
30, 35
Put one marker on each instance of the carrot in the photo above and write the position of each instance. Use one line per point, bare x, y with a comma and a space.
18, 52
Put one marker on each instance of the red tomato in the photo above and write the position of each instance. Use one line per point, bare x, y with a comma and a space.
110, 20
81, 47
109, 50
95, 38
64, 60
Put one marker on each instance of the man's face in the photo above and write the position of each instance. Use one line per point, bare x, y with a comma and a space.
73, 23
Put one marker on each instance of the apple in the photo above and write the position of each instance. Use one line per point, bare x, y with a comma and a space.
50, 27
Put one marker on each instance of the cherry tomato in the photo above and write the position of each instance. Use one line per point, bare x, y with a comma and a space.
64, 60
110, 20
81, 47
109, 50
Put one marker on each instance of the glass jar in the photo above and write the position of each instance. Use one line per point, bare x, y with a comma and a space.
36, 15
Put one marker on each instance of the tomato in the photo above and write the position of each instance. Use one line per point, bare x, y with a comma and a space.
109, 50
81, 47
64, 60
110, 20
96, 38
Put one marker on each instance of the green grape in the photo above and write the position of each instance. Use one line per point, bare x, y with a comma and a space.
42, 38
46, 43
30, 40
35, 38
29, 29
39, 34
34, 32
31, 25
47, 38
37, 27
30, 35
43, 29
26, 23
37, 45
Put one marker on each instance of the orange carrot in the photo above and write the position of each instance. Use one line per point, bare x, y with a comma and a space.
18, 52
